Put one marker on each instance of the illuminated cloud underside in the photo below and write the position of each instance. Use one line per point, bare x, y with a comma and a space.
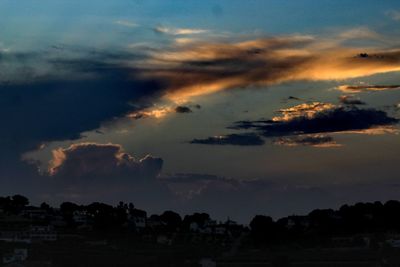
365, 88
202, 68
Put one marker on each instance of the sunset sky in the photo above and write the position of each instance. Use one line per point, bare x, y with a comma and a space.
230, 107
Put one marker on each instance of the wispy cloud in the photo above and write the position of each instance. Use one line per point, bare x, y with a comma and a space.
178, 31
126, 23
358, 33
394, 14
248, 139
350, 100
364, 88
317, 140
202, 67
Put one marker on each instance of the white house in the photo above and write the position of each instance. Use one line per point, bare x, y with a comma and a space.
42, 233
19, 255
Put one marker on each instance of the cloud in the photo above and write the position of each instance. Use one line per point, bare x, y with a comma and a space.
99, 160
248, 139
82, 88
365, 88
126, 23
349, 100
203, 67
308, 124
359, 33
317, 140
61, 92
183, 109
190, 185
394, 14
87, 172
319, 117
157, 112
178, 31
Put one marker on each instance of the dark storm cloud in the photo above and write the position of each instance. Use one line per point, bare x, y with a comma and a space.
52, 96
70, 96
327, 119
248, 139
349, 100
183, 109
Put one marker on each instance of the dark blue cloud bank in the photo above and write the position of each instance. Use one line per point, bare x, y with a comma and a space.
48, 97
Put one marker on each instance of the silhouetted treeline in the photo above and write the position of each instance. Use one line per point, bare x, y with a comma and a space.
361, 218
348, 220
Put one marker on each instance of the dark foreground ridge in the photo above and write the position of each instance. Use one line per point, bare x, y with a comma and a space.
364, 234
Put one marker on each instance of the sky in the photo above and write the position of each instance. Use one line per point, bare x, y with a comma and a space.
230, 107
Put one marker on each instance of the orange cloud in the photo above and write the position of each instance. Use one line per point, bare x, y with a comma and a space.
155, 112
200, 68
364, 88
307, 110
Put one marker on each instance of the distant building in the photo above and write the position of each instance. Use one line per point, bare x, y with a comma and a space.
58, 221
297, 221
394, 243
14, 229
138, 219
81, 217
164, 240
42, 233
206, 262
155, 222
18, 256
34, 214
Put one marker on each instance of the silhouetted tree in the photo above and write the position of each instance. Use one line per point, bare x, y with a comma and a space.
263, 229
20, 201
171, 219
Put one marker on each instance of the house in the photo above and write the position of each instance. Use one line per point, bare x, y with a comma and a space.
14, 229
206, 262
207, 227
42, 233
394, 243
138, 219
155, 222
58, 221
15, 236
19, 255
164, 240
81, 217
298, 222
34, 214
194, 227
